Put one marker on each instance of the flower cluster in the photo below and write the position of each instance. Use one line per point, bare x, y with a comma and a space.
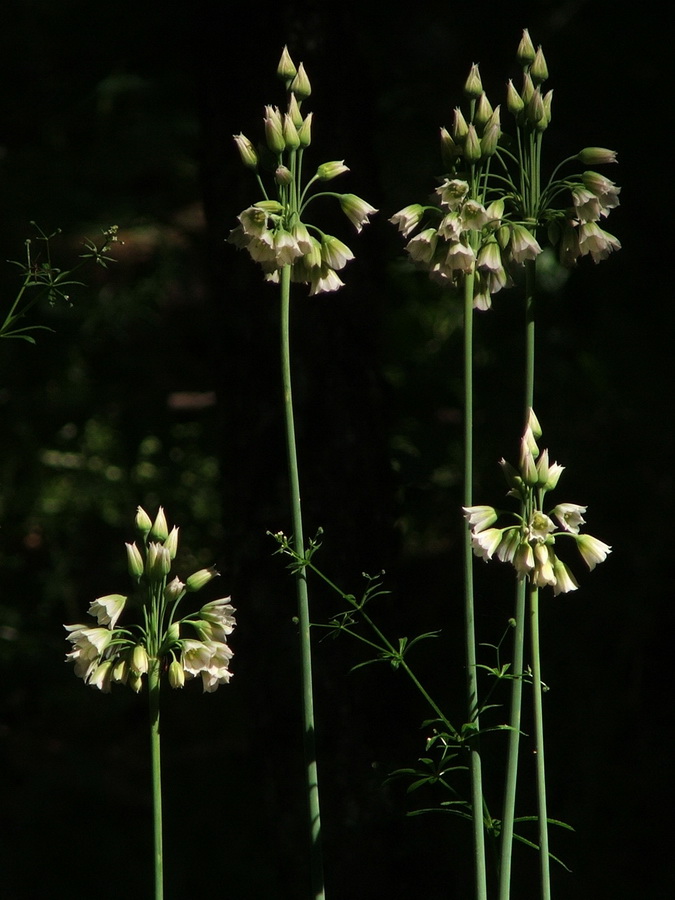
272, 230
469, 238
529, 544
105, 653
486, 223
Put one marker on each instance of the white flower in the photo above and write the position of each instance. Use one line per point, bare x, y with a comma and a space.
564, 580
592, 550
253, 221
101, 676
599, 243
408, 218
326, 280
459, 258
479, 517
523, 244
356, 210
108, 609
586, 205
451, 227
539, 526
489, 257
570, 516
422, 247
219, 613
286, 248
543, 566
452, 192
473, 215
604, 189
334, 253
485, 543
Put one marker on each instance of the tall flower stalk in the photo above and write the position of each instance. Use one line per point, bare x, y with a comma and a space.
157, 648
276, 234
494, 209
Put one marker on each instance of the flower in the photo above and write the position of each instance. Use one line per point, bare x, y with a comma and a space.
452, 192
523, 244
604, 189
334, 253
408, 218
108, 609
485, 543
327, 280
219, 612
599, 243
592, 550
423, 246
479, 517
564, 580
356, 210
246, 150
570, 516
543, 566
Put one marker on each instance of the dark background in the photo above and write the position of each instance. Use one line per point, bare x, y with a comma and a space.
160, 385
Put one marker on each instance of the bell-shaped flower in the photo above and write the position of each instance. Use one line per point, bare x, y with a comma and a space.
408, 218
523, 245
592, 550
599, 243
570, 516
604, 189
334, 253
356, 210
108, 609
423, 246
453, 192
543, 573
485, 543
564, 580
480, 517
326, 280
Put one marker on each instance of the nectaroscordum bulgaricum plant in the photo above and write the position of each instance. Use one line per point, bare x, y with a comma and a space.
162, 646
491, 214
278, 234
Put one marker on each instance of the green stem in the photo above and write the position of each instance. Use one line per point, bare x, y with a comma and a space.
469, 614
530, 289
511, 782
153, 694
309, 742
539, 746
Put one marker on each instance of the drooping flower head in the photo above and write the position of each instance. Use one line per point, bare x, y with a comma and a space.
275, 232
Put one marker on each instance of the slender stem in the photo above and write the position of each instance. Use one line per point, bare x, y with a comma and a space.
530, 290
539, 746
469, 615
511, 782
309, 742
153, 694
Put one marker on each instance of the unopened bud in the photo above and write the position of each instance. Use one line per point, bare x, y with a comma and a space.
294, 111
139, 660
596, 156
483, 111
305, 131
300, 84
329, 170
286, 69
290, 133
134, 560
176, 674
471, 149
539, 69
143, 522
525, 53
160, 530
473, 87
282, 175
171, 543
197, 580
449, 150
514, 102
246, 150
274, 134
459, 129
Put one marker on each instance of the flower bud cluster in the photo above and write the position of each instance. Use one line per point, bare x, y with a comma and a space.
105, 653
273, 231
529, 544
